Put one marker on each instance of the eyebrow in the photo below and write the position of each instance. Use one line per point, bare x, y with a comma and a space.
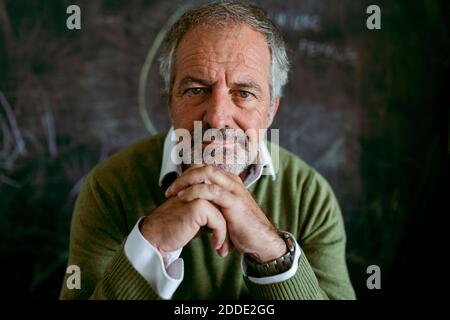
246, 84
190, 79
249, 84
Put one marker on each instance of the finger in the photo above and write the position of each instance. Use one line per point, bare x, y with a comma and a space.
194, 166
179, 183
216, 222
206, 175
226, 247
212, 192
234, 177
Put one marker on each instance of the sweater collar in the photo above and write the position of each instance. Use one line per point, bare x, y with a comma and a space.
263, 167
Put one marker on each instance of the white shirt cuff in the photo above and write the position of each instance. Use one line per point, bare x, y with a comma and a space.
278, 277
164, 276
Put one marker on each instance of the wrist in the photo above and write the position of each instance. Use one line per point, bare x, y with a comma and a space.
276, 249
146, 231
276, 266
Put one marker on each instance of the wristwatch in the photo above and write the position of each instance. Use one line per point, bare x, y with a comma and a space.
274, 267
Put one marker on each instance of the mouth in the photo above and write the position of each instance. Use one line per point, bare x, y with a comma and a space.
218, 143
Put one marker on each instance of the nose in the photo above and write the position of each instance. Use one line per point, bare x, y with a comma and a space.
219, 110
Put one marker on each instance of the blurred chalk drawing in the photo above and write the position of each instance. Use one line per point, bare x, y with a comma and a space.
14, 146
148, 64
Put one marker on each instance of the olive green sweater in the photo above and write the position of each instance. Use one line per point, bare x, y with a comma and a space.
118, 191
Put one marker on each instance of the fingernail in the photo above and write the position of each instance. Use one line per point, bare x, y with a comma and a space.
180, 194
168, 191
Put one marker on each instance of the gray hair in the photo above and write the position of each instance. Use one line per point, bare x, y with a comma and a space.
221, 14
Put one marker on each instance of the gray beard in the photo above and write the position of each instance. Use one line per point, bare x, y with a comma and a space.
237, 166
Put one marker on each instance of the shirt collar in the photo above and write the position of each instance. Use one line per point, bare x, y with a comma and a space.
264, 165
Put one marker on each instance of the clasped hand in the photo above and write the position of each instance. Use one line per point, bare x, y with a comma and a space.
209, 197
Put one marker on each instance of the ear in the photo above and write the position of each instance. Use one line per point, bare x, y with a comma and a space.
273, 111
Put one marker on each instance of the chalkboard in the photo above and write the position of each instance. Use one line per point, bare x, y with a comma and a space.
354, 109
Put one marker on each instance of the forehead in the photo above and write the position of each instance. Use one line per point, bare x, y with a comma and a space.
236, 47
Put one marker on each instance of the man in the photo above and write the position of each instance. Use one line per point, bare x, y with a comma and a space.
139, 224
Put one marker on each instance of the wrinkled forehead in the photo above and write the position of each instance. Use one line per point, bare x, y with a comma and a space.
236, 44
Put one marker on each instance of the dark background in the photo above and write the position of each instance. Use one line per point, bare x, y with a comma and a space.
368, 109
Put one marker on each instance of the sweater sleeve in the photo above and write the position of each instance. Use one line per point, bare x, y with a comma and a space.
322, 270
97, 238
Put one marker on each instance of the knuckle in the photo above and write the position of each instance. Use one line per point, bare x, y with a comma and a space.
215, 189
198, 211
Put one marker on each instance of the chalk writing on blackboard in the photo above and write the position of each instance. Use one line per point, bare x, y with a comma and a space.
317, 49
297, 22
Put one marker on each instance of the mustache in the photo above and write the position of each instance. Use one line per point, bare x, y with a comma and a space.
223, 135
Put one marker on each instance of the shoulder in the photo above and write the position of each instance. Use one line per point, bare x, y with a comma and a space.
143, 157
297, 176
290, 168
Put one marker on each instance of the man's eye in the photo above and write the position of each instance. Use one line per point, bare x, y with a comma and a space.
194, 91
244, 94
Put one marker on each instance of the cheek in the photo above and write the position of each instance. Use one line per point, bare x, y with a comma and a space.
183, 117
251, 119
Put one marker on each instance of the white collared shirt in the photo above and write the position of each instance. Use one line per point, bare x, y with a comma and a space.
165, 275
